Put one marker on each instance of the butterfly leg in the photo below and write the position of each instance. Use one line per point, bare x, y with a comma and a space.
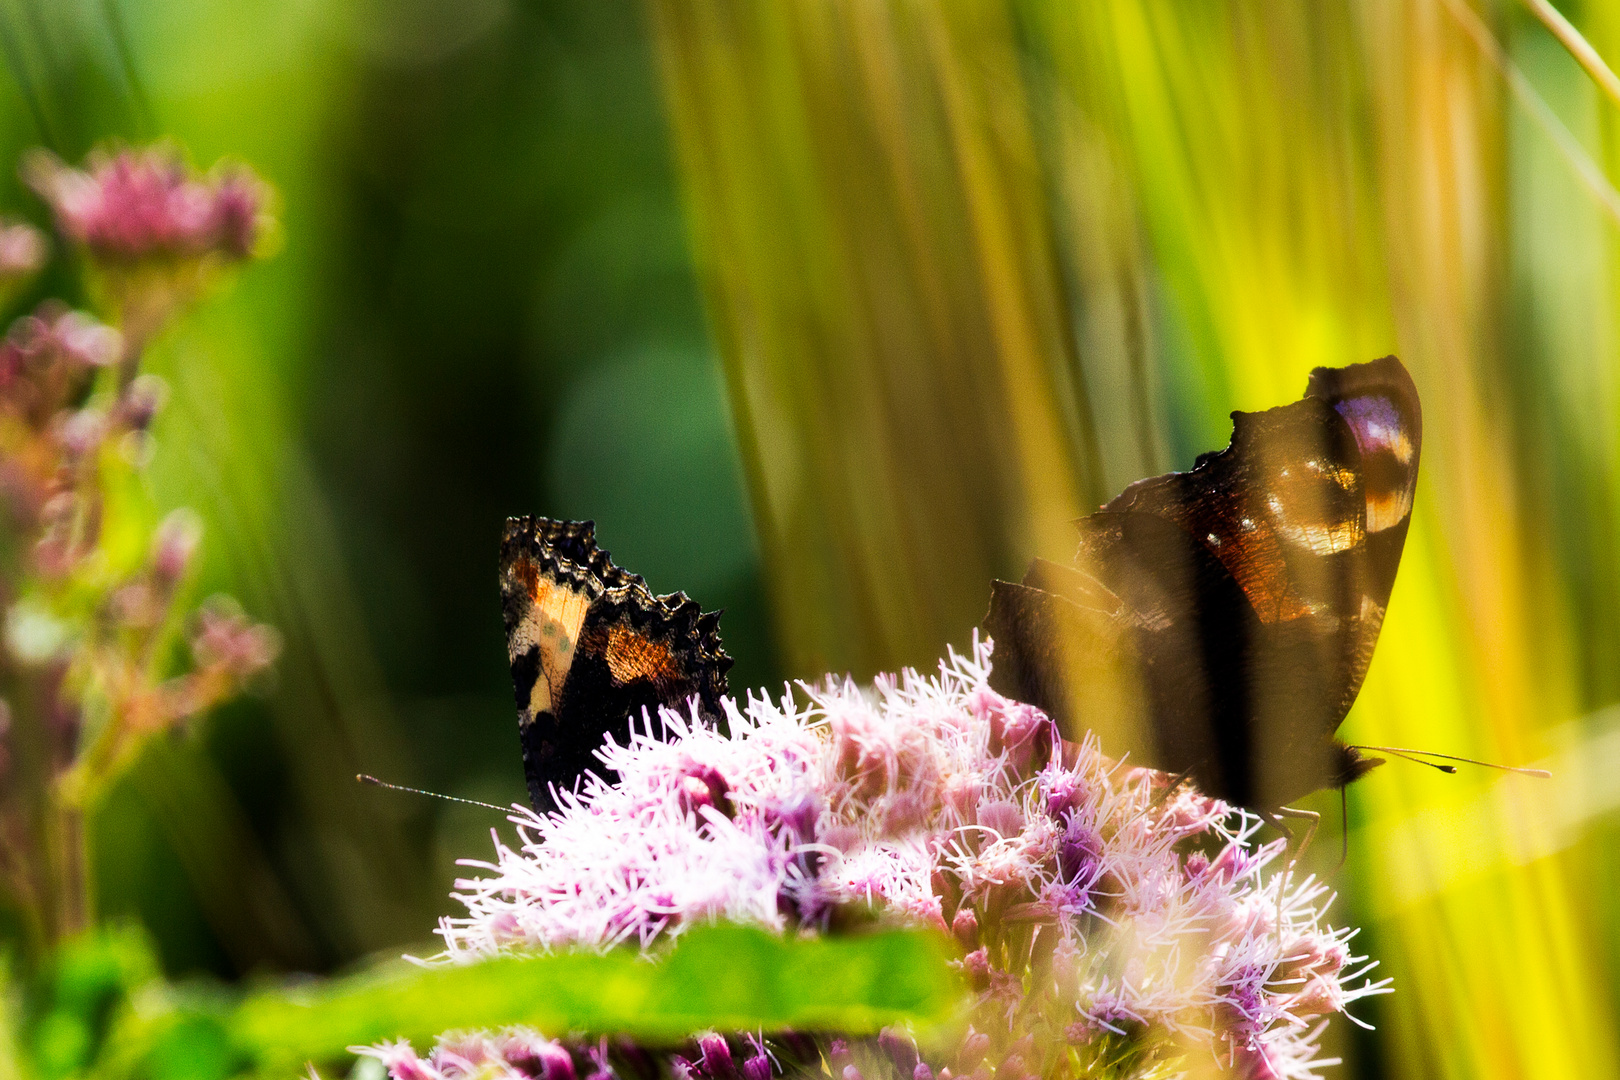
1274, 818
1171, 788
1311, 819
1344, 829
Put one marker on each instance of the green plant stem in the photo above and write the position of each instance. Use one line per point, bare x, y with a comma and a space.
1577, 46
35, 882
49, 868
69, 870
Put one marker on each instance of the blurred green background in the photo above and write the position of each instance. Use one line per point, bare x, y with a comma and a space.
827, 312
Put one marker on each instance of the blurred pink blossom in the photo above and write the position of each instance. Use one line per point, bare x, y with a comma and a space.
136, 204
23, 250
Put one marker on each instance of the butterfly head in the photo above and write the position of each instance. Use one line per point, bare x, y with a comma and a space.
1350, 765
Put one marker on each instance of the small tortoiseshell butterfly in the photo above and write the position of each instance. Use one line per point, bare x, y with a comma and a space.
591, 647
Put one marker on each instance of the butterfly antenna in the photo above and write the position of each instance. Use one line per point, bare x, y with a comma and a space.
1448, 769
1403, 752
372, 780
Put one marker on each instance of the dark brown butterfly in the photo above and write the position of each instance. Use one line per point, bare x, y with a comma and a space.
591, 647
1236, 605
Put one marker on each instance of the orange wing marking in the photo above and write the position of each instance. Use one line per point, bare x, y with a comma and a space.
631, 657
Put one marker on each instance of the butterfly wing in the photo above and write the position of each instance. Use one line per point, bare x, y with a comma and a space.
1251, 588
591, 647
1171, 646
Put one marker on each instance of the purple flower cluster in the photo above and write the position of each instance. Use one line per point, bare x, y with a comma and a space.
516, 1053
525, 1054
1109, 924
144, 204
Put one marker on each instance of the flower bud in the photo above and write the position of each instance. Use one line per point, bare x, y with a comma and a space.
174, 546
540, 1058
22, 250
974, 1047
1080, 850
757, 1067
141, 401
901, 1050
1320, 996
795, 816
844, 837
146, 204
965, 928
223, 637
976, 968
1253, 1063
85, 342
906, 812
1001, 816
702, 785
238, 219
79, 433
717, 1062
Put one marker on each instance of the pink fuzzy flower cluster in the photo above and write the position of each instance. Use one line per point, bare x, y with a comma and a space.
140, 204
524, 1054
516, 1053
1110, 925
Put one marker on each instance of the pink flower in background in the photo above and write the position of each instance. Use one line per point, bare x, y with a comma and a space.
23, 250
138, 204
92, 607
156, 231
1105, 919
47, 357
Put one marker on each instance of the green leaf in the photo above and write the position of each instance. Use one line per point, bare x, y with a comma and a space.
723, 977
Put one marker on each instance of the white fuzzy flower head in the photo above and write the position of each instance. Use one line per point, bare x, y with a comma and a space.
1103, 917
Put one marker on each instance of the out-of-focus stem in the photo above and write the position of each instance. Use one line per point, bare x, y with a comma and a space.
50, 867
69, 869
1577, 45
1586, 170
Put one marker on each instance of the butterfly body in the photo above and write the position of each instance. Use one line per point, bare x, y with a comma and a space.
1235, 606
591, 647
